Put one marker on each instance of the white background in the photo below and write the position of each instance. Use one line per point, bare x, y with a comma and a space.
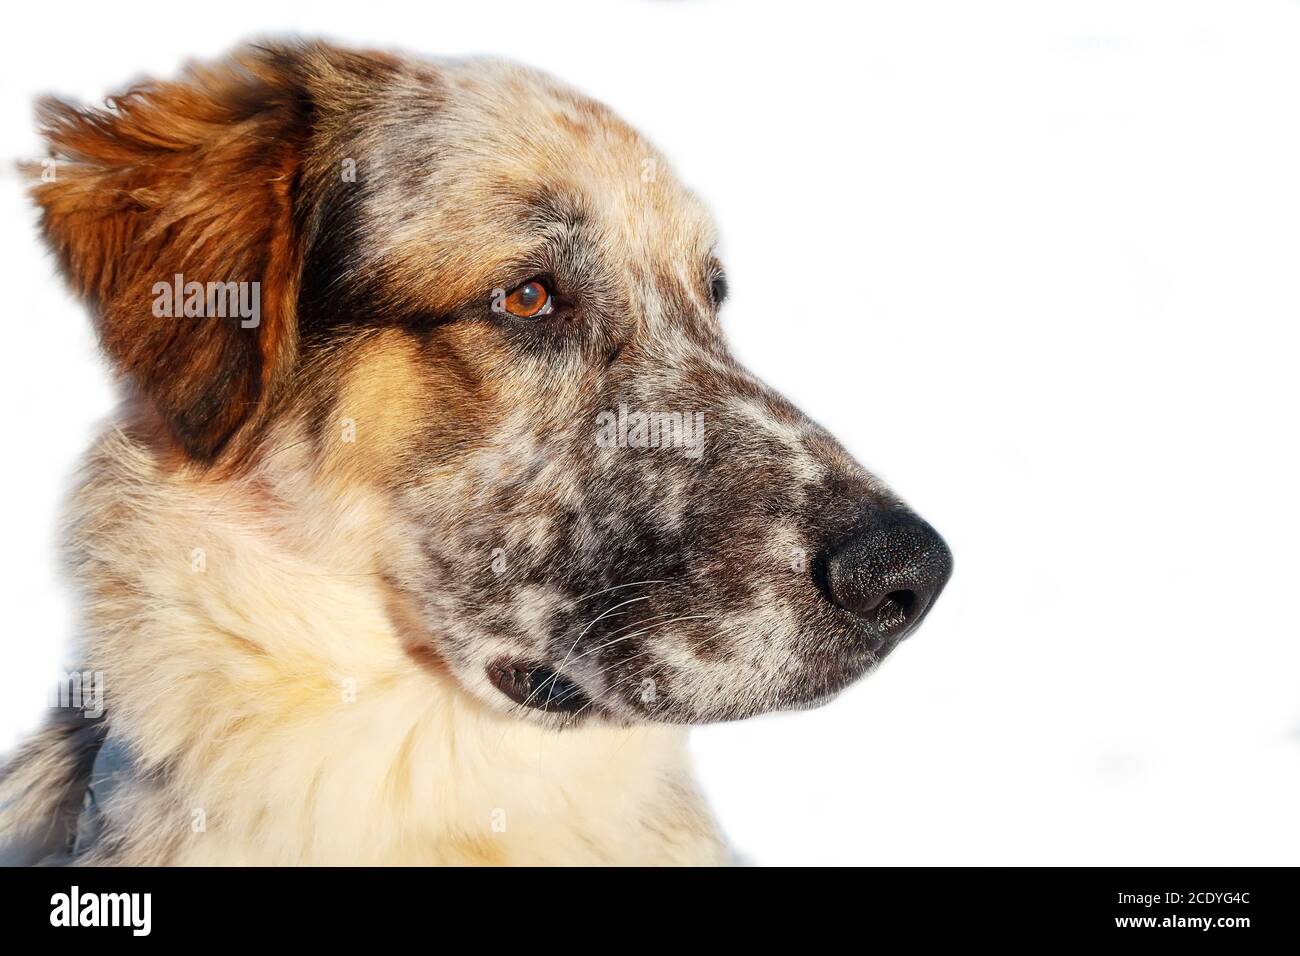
1036, 264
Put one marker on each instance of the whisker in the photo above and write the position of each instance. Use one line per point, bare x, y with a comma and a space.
676, 620
645, 630
630, 584
644, 620
551, 680
620, 682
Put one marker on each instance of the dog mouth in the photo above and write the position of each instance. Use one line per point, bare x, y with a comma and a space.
538, 686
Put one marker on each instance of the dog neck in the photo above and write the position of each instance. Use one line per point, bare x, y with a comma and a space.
258, 669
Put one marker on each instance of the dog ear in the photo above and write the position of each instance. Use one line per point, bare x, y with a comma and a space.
170, 187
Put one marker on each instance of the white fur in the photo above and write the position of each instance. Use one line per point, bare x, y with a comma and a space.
271, 692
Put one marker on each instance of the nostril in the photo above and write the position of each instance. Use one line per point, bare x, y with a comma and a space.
888, 573
895, 609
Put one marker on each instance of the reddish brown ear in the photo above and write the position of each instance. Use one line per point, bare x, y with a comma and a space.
193, 179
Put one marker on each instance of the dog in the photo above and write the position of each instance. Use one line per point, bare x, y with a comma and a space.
436, 508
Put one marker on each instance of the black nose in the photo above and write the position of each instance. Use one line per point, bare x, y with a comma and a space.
889, 572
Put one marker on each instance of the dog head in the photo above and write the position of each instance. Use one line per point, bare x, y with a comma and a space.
482, 304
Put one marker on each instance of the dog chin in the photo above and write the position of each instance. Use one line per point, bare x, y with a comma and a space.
541, 692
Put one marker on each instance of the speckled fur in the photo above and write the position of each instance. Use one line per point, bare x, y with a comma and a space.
297, 586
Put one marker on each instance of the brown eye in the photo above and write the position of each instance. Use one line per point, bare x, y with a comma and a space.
529, 300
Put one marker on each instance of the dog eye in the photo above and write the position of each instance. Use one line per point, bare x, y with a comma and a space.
718, 288
529, 301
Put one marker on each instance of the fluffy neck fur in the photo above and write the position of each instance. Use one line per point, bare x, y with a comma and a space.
257, 669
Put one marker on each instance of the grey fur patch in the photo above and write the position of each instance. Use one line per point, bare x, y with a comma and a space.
43, 790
